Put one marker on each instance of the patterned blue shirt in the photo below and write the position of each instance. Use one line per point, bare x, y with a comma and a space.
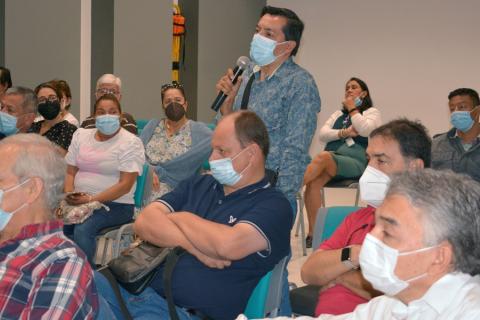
288, 103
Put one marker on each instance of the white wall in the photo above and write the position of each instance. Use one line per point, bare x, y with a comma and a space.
224, 33
411, 53
42, 42
142, 53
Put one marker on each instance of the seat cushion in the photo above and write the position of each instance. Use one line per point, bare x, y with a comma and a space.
304, 300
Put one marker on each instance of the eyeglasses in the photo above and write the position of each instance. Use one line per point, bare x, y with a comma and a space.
103, 91
50, 98
173, 85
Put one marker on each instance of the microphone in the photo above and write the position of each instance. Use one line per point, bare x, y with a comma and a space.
242, 64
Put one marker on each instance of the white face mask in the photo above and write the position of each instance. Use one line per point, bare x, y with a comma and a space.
378, 262
373, 186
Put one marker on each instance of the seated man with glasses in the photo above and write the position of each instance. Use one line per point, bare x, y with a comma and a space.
459, 148
18, 107
111, 84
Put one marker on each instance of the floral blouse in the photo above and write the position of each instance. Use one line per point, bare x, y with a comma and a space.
163, 148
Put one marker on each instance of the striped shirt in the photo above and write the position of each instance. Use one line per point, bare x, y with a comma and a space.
43, 275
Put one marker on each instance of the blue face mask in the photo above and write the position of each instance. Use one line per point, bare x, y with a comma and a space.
461, 120
358, 102
108, 124
222, 170
4, 215
8, 124
261, 50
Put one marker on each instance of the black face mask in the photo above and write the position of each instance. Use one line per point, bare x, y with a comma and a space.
174, 111
49, 109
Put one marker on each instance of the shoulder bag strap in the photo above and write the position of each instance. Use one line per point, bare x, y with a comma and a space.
246, 92
116, 290
172, 260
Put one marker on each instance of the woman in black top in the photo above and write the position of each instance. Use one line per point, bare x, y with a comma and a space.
53, 127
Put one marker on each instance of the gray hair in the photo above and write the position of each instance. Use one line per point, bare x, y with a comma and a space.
110, 79
29, 104
449, 204
39, 157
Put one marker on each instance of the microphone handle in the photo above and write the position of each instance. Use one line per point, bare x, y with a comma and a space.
220, 99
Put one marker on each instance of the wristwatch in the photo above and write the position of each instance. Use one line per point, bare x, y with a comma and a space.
346, 259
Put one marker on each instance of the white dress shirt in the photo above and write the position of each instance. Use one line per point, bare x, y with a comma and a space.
454, 296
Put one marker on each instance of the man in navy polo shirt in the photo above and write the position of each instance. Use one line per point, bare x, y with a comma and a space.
233, 224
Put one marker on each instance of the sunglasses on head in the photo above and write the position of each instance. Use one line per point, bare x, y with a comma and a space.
173, 85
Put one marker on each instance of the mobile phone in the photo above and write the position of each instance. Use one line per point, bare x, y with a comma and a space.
76, 194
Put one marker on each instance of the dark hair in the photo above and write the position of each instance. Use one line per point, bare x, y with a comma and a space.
367, 101
466, 92
109, 97
64, 88
250, 128
5, 77
412, 137
49, 85
173, 85
293, 29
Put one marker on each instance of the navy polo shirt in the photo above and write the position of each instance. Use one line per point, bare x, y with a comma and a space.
223, 294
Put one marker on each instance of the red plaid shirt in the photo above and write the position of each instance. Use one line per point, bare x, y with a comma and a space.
44, 275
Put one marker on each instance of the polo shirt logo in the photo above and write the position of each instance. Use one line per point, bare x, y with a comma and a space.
232, 220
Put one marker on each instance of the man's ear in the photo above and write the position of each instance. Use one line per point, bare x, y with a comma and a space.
444, 259
415, 164
285, 47
34, 188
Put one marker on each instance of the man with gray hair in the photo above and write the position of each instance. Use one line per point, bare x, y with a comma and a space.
42, 273
424, 250
18, 108
111, 84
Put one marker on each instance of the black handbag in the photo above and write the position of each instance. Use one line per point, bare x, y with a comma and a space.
135, 268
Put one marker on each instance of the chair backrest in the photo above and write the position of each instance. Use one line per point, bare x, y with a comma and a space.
328, 219
206, 164
266, 297
142, 192
141, 123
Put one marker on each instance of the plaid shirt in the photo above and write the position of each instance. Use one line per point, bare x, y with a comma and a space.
43, 275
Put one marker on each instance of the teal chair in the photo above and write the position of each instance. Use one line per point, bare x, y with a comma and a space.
141, 123
114, 236
206, 165
304, 299
266, 297
328, 219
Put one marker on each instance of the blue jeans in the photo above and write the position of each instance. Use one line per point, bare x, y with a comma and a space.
84, 234
147, 305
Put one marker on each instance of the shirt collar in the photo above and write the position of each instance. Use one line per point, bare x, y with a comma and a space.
452, 134
39, 229
251, 188
286, 63
444, 289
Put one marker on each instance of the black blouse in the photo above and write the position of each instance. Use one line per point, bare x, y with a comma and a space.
61, 133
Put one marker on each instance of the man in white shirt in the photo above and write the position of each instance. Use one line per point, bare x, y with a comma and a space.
423, 252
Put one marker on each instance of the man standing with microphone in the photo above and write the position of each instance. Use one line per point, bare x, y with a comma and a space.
283, 95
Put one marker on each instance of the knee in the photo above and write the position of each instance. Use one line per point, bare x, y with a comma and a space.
321, 158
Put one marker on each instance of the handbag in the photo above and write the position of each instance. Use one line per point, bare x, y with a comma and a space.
135, 268
71, 214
